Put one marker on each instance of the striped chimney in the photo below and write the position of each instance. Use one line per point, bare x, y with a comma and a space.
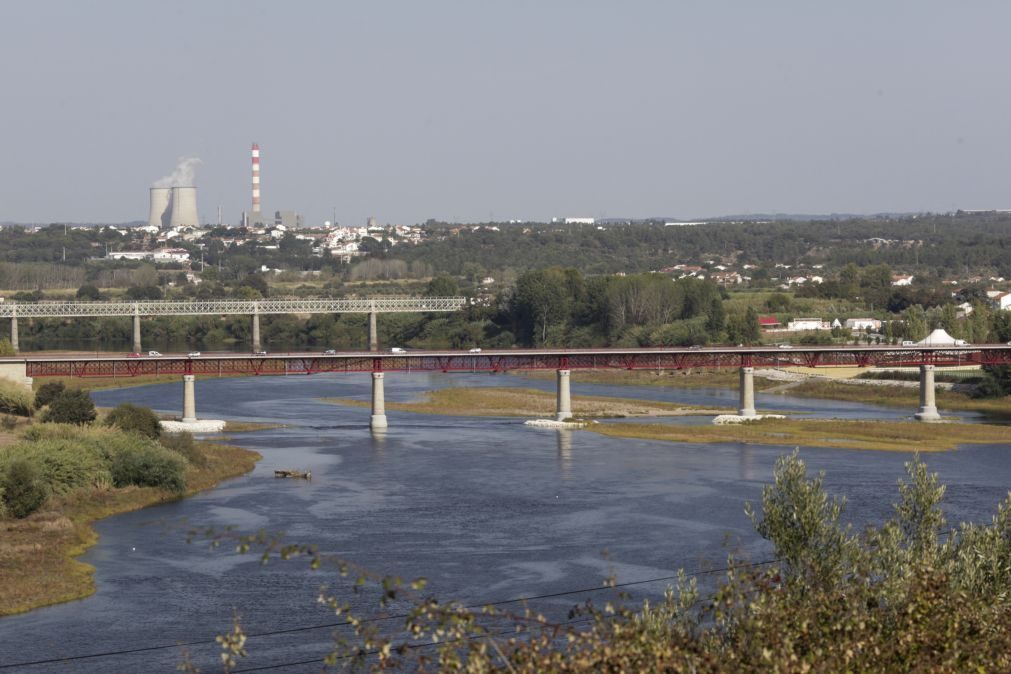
256, 178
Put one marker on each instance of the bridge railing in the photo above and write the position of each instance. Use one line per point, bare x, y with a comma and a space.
308, 305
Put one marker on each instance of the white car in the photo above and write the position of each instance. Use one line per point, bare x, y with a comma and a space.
786, 346
330, 352
193, 354
153, 354
476, 350
397, 349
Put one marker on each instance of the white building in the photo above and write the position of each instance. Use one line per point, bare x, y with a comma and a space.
902, 279
863, 324
799, 324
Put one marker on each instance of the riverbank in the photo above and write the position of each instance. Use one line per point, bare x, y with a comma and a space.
524, 402
38, 554
712, 378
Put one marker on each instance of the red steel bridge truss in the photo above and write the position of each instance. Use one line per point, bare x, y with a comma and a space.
515, 359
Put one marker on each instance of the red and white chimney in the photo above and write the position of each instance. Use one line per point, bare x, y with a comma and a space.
256, 178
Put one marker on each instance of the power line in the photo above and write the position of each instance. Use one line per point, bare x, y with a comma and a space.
307, 628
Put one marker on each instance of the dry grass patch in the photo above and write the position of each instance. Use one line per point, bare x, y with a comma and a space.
37, 553
523, 402
899, 436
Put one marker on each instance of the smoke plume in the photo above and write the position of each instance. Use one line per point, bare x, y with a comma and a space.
182, 175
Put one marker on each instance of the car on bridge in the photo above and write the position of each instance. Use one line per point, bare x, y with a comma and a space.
193, 354
154, 354
330, 352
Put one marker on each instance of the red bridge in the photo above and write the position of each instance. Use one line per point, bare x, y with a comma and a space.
505, 360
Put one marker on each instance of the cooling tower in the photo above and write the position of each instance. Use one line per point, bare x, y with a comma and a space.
184, 207
160, 198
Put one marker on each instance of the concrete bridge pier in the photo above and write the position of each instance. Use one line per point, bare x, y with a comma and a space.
373, 333
378, 402
747, 402
189, 399
928, 404
256, 328
136, 329
563, 405
14, 334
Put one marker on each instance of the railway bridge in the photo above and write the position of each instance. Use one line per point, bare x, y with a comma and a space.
224, 307
562, 361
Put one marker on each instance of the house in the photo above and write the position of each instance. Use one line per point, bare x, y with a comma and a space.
799, 324
863, 324
1002, 301
902, 279
768, 322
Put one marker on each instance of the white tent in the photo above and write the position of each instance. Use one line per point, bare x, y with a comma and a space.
939, 337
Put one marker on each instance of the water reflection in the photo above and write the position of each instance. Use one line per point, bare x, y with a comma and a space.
565, 453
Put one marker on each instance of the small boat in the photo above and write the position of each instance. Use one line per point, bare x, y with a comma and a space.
306, 475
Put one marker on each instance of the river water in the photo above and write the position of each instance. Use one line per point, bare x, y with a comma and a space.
485, 508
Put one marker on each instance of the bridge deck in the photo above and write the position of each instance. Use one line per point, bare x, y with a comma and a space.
513, 359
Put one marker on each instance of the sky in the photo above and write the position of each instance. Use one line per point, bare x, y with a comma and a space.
471, 110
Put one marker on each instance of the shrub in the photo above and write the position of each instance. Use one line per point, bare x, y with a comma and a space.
182, 443
15, 399
48, 392
63, 464
71, 407
8, 422
22, 488
149, 465
6, 348
128, 417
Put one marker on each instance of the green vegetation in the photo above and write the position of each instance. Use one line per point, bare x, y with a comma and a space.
128, 417
907, 595
523, 402
55, 480
893, 396
15, 399
70, 407
48, 392
894, 436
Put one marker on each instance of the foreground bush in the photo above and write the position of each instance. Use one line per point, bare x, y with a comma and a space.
21, 489
15, 399
128, 417
909, 595
183, 444
149, 465
68, 458
48, 392
71, 407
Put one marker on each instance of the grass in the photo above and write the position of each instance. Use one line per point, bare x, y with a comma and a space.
523, 402
37, 554
908, 397
106, 383
248, 426
896, 436
722, 378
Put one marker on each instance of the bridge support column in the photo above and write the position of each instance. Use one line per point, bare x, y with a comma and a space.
14, 334
189, 398
378, 401
136, 329
256, 329
563, 405
747, 404
373, 333
928, 405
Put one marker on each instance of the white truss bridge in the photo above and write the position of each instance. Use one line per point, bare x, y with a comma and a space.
308, 305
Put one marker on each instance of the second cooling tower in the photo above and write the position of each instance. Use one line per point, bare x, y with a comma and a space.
160, 214
184, 207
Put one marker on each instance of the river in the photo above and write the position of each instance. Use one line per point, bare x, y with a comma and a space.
485, 508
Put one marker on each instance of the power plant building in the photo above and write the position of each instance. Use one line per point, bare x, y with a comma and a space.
173, 207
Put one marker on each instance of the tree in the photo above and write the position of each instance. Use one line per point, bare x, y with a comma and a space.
443, 285
129, 417
71, 407
48, 392
22, 488
6, 348
752, 331
89, 292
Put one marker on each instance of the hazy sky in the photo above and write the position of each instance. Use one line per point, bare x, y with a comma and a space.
470, 110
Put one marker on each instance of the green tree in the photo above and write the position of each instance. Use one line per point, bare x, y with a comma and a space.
129, 417
443, 285
89, 292
48, 392
22, 488
71, 407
